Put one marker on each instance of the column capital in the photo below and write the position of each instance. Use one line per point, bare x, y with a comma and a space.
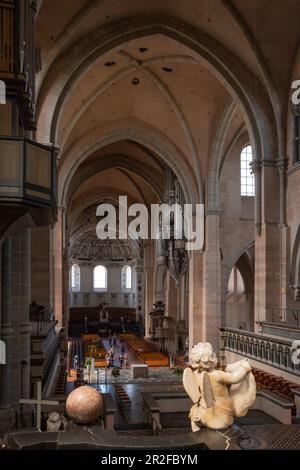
256, 166
212, 212
282, 164
56, 150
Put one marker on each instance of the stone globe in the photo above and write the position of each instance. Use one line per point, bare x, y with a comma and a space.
84, 405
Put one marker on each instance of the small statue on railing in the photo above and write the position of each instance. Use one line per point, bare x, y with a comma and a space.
56, 422
218, 395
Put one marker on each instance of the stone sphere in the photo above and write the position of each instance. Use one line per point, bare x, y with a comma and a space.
84, 405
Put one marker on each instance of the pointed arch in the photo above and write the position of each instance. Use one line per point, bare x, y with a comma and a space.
295, 266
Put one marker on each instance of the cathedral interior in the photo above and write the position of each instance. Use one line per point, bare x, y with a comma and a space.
155, 102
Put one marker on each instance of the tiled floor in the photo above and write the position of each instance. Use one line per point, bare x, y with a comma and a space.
255, 417
277, 436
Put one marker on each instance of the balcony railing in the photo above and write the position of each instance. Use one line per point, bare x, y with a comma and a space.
28, 173
41, 328
273, 352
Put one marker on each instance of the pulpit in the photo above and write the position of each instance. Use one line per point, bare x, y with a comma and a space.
28, 178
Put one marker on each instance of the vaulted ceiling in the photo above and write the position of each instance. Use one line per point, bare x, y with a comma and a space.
126, 88
84, 245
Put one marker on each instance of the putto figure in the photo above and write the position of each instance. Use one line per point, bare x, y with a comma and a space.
218, 395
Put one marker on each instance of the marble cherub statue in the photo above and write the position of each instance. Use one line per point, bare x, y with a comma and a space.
56, 422
218, 395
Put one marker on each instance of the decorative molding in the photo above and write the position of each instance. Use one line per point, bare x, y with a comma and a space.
282, 164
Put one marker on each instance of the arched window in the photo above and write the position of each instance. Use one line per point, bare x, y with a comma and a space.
236, 286
126, 277
75, 277
100, 277
247, 177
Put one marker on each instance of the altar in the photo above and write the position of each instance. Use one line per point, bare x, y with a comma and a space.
139, 371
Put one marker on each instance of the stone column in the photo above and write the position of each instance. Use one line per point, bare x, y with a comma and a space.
140, 304
65, 290
256, 167
149, 282
267, 245
281, 165
211, 304
41, 266
171, 297
196, 320
186, 300
180, 300
57, 263
171, 311
15, 318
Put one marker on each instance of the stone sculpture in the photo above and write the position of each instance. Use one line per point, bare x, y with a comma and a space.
56, 422
218, 395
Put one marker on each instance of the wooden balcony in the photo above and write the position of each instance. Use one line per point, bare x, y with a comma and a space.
28, 182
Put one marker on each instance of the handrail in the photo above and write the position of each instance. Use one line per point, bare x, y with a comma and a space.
256, 336
274, 352
41, 327
50, 361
